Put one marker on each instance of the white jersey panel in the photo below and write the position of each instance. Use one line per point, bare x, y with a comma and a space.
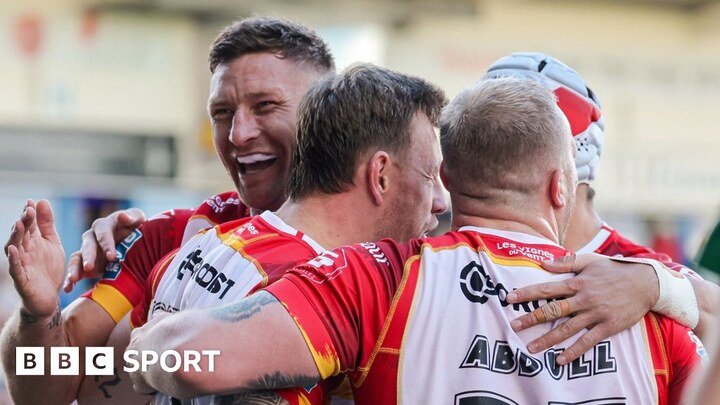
461, 319
209, 272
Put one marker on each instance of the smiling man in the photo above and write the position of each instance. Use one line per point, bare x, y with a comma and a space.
379, 125
261, 68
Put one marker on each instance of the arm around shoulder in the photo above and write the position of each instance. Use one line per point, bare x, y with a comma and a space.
252, 344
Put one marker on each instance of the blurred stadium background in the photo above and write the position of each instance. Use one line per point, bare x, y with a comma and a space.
102, 102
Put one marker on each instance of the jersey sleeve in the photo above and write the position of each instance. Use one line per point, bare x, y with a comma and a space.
139, 314
685, 353
667, 261
339, 300
122, 286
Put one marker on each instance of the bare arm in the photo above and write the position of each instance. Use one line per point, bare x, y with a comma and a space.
705, 387
116, 388
708, 298
37, 267
260, 347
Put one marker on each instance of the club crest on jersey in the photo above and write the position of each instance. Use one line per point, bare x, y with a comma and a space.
112, 270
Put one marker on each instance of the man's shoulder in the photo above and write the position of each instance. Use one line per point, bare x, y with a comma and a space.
215, 210
222, 207
617, 244
504, 245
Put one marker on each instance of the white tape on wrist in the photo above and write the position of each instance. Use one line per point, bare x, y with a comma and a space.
677, 298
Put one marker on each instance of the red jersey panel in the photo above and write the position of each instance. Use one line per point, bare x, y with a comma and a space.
609, 242
427, 322
123, 284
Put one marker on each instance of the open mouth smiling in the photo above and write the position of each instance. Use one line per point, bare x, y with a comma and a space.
254, 162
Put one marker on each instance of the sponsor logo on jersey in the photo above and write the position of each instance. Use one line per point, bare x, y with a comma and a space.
375, 251
161, 306
699, 348
113, 269
327, 266
478, 287
531, 252
218, 204
204, 274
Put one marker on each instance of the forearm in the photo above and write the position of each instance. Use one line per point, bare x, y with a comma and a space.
708, 299
258, 322
116, 388
173, 334
21, 330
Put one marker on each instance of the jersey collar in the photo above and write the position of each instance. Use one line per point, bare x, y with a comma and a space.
516, 236
280, 225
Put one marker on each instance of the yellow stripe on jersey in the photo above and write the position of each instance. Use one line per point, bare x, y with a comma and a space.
506, 261
407, 268
112, 301
649, 357
234, 241
328, 364
665, 370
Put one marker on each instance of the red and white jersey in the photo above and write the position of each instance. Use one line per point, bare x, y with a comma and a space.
609, 242
427, 322
223, 265
229, 261
122, 286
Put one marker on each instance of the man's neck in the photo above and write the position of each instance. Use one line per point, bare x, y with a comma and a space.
585, 222
332, 221
505, 217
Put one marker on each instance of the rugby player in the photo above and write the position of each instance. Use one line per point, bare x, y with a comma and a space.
599, 297
427, 321
378, 126
261, 68
367, 167
606, 302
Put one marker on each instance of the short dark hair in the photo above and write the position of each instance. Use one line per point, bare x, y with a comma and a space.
344, 116
285, 38
495, 134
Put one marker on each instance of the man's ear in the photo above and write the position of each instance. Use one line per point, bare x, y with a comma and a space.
558, 189
378, 176
443, 177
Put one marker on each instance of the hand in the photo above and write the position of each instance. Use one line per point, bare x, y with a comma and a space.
606, 297
136, 377
98, 245
140, 385
37, 259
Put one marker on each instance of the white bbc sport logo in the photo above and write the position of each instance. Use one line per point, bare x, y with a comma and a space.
64, 361
100, 360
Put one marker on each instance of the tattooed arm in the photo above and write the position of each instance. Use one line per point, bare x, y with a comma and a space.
37, 267
260, 347
115, 388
